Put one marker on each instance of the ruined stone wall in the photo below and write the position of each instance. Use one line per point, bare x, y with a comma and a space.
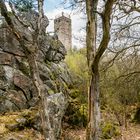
62, 26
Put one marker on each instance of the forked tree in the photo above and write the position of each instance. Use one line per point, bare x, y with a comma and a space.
94, 53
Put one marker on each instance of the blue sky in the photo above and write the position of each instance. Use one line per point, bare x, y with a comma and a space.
53, 8
50, 5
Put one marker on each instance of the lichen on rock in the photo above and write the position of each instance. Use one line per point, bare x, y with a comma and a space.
17, 90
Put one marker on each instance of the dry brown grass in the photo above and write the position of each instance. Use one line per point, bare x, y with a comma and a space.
4, 119
132, 133
26, 134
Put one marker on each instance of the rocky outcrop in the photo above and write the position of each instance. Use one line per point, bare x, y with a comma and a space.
17, 90
20, 125
56, 104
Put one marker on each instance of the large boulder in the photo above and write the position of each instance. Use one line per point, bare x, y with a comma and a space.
55, 109
17, 90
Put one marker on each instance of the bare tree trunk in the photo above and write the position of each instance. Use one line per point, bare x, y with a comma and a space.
40, 89
91, 5
93, 58
95, 106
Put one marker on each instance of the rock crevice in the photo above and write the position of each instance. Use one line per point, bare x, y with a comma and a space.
17, 90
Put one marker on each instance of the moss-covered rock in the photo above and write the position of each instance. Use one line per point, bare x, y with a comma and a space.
20, 91
14, 122
15, 72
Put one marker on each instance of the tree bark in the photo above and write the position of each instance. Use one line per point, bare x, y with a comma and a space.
91, 5
93, 58
40, 89
95, 106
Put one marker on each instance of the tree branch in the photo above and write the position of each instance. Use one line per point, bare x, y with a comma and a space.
4, 13
106, 32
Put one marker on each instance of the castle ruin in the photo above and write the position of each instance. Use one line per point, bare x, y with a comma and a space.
62, 27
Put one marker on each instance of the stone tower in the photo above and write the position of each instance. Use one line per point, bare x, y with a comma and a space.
62, 27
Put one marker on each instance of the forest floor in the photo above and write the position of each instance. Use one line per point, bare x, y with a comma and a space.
132, 132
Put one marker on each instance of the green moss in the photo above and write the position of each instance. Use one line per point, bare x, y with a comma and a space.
109, 131
74, 93
29, 114
50, 91
137, 116
2, 98
76, 114
55, 43
24, 69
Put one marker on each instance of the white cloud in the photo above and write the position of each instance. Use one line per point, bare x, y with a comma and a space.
78, 23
